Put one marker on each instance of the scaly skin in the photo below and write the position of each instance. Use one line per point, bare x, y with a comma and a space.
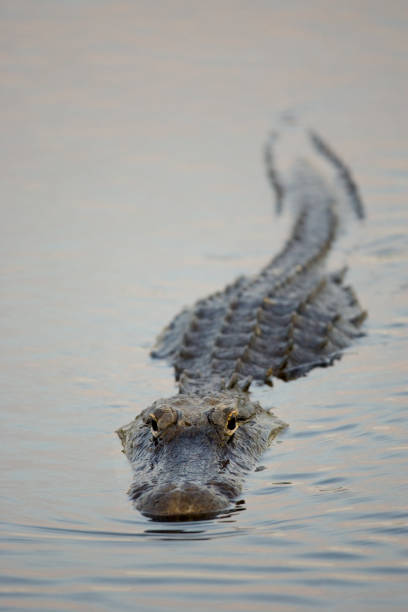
190, 453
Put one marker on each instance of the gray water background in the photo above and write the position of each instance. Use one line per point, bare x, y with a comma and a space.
132, 185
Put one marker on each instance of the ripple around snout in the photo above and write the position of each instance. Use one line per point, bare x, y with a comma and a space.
182, 502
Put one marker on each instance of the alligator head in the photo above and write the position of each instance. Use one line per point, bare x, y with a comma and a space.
190, 453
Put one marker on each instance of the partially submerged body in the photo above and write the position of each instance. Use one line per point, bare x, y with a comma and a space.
190, 453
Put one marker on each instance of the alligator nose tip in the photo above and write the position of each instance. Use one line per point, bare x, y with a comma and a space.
181, 503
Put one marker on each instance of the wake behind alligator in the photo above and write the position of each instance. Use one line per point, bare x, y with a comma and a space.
190, 453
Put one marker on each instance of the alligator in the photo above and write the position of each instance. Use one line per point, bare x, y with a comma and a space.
190, 453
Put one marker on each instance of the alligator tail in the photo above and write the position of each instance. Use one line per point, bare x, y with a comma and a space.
343, 173
292, 316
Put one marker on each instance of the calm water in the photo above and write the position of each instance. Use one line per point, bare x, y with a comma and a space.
132, 184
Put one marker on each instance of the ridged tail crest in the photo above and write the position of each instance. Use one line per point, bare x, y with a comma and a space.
292, 316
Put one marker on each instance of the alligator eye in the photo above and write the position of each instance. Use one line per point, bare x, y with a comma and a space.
231, 425
154, 425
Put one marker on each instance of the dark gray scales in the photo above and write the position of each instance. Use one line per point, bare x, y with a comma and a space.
288, 319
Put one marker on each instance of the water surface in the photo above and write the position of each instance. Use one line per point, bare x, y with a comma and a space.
132, 184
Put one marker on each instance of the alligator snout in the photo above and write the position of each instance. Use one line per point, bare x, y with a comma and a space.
182, 502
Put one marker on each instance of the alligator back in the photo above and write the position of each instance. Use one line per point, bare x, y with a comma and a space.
291, 317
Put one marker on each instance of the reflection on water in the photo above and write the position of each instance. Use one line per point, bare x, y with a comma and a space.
133, 185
